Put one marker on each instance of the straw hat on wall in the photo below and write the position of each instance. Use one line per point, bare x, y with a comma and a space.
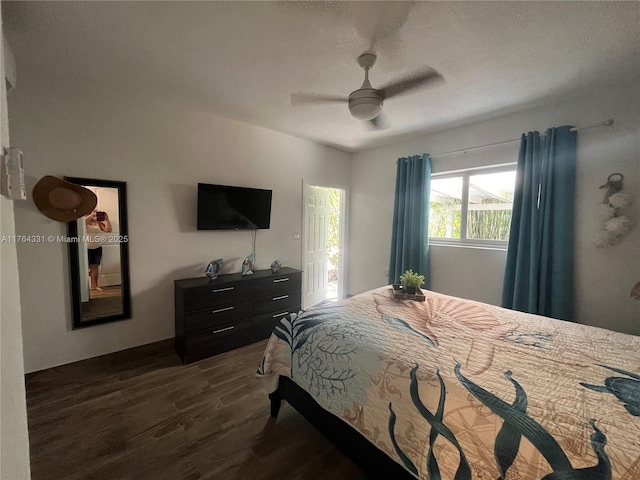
63, 201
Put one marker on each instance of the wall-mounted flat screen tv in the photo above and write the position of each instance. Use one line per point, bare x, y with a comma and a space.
223, 207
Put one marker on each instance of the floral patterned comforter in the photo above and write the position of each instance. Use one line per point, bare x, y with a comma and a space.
456, 389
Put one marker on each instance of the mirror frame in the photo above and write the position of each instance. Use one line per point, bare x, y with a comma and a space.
74, 256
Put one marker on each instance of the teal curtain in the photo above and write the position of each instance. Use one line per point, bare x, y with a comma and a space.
410, 235
539, 272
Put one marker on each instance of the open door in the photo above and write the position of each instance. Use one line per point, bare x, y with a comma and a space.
110, 272
315, 237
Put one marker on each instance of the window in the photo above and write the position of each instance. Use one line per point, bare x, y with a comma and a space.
445, 207
472, 207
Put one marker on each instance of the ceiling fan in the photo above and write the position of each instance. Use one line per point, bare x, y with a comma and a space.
366, 102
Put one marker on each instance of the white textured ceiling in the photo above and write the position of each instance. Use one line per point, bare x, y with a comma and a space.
244, 59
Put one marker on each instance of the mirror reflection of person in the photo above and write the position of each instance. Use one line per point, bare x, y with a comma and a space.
95, 229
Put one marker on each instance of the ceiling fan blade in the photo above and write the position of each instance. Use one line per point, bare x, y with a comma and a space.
313, 98
381, 122
424, 78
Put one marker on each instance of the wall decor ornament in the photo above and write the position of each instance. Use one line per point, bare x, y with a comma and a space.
248, 264
613, 185
615, 224
214, 268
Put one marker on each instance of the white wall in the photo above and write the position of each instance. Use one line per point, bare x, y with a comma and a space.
14, 440
603, 277
161, 148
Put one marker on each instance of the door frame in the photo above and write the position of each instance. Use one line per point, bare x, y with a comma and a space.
342, 259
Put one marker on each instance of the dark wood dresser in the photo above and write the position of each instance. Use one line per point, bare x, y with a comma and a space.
213, 316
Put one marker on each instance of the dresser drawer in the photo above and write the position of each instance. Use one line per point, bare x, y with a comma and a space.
216, 315
215, 340
263, 325
277, 303
210, 296
279, 284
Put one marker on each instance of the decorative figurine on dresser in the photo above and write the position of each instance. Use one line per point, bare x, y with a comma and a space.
275, 266
214, 268
216, 315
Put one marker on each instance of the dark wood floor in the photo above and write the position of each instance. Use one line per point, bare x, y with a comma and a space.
141, 414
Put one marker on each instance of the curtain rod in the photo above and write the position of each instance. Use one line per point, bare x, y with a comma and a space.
606, 123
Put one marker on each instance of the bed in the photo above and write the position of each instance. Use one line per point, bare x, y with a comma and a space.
455, 389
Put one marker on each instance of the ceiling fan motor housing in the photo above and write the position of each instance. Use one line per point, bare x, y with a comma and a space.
365, 103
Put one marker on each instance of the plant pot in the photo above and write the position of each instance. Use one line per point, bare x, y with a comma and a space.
411, 290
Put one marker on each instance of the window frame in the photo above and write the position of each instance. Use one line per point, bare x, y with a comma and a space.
463, 241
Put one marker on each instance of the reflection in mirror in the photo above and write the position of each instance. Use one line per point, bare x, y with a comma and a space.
99, 259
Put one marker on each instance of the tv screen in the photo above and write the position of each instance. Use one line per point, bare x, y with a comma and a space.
222, 207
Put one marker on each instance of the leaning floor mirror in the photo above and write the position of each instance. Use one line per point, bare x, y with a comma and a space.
99, 258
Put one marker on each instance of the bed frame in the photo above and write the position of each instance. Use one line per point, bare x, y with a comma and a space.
374, 462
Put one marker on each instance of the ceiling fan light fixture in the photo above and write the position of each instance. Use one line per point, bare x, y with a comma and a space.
365, 104
366, 109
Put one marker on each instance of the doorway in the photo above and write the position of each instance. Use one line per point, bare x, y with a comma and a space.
323, 244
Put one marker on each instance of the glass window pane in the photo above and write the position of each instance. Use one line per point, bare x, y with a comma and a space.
444, 207
490, 204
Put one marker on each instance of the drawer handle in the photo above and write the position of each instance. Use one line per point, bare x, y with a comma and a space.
280, 314
222, 310
281, 280
222, 289
224, 329
280, 297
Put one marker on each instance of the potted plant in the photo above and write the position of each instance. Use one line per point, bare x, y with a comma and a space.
411, 281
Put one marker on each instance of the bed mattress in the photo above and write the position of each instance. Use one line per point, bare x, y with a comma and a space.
457, 389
